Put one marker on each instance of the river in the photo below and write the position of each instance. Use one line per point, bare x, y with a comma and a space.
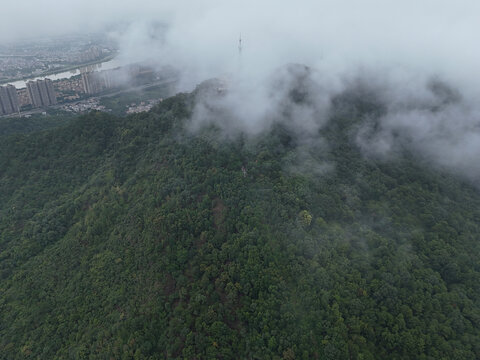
107, 65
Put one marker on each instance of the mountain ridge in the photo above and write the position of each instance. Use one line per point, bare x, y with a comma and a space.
133, 238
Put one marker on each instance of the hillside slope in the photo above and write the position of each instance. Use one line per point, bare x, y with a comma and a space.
132, 238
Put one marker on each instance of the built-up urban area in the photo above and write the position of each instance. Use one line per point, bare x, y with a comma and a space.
43, 93
77, 89
46, 56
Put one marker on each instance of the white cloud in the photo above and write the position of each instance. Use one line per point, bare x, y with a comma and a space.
399, 45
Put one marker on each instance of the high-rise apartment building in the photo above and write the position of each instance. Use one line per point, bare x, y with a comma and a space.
6, 107
13, 96
34, 94
42, 88
52, 98
41, 93
8, 100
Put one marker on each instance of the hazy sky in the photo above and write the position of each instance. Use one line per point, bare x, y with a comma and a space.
435, 34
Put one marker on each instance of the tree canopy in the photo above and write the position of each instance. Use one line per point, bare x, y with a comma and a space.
131, 238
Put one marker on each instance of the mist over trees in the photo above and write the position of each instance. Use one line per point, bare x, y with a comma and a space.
138, 238
317, 198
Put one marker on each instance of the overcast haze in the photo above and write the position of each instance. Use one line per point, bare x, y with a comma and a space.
398, 46
431, 34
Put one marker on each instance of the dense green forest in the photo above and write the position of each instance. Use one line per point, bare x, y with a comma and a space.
132, 238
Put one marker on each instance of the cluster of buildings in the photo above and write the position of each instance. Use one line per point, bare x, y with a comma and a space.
45, 92
8, 100
86, 105
69, 89
143, 106
95, 82
41, 93
37, 94
91, 54
23, 60
15, 67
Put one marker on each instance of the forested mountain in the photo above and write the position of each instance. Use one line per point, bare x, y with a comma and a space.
133, 238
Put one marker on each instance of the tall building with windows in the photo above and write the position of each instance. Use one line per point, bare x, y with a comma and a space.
95, 82
41, 93
13, 96
34, 94
42, 88
5, 102
52, 98
8, 100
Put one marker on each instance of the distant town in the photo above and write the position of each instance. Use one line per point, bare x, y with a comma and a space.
75, 74
48, 56
79, 90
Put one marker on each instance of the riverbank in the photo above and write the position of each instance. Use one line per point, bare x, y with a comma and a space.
61, 70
